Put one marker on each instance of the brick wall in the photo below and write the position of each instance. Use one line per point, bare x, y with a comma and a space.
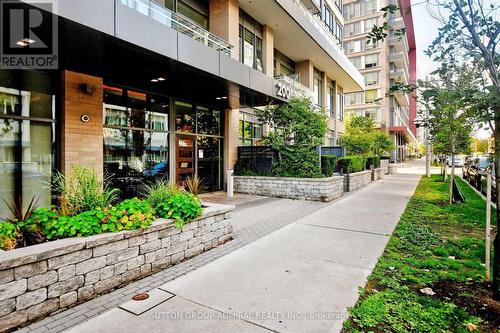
38, 280
82, 143
224, 22
315, 189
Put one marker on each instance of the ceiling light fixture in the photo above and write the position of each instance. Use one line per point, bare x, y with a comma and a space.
27, 40
154, 80
22, 44
161, 79
218, 97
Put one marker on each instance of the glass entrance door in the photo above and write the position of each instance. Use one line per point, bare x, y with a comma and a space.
185, 157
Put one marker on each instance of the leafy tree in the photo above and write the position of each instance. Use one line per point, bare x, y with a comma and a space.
479, 146
362, 138
297, 130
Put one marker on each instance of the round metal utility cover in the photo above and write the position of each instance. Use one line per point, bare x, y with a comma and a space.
140, 297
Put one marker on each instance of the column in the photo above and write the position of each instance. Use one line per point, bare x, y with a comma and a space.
268, 50
81, 138
224, 22
305, 71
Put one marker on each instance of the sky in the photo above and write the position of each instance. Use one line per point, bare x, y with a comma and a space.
426, 30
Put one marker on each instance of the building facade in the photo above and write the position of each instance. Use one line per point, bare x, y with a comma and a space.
383, 64
164, 89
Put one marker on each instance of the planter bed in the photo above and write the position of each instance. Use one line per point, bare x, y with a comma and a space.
38, 280
384, 164
357, 180
315, 189
378, 173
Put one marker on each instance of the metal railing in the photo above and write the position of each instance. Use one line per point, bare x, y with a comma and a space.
181, 24
320, 25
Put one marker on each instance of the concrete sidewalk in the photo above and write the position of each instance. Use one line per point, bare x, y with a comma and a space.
301, 278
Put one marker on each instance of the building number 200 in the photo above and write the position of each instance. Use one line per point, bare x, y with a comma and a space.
284, 91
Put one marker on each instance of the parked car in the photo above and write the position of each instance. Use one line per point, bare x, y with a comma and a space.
465, 167
476, 168
490, 171
458, 161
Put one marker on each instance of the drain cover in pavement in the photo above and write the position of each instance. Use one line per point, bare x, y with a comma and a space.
137, 307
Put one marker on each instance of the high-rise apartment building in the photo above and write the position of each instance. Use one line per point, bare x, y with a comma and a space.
147, 89
382, 65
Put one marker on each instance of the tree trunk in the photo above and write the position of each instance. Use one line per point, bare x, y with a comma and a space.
452, 174
496, 242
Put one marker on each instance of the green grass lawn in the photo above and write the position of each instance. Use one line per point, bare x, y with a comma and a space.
437, 246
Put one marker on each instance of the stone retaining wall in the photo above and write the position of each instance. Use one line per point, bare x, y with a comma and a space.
315, 189
384, 164
378, 173
38, 280
357, 180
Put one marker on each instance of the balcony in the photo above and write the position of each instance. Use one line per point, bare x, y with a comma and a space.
396, 22
175, 21
402, 98
313, 5
400, 59
399, 75
399, 117
301, 35
400, 44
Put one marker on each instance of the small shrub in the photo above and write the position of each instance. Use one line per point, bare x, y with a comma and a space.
160, 191
182, 207
193, 184
328, 164
128, 215
352, 163
372, 160
80, 190
299, 162
8, 236
27, 233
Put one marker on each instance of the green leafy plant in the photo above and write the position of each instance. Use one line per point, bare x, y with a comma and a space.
298, 129
193, 184
80, 190
352, 163
160, 191
130, 214
181, 207
328, 164
8, 236
372, 160
28, 232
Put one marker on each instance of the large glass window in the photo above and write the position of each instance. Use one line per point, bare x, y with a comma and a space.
27, 132
370, 23
317, 88
371, 95
340, 105
371, 78
135, 138
250, 130
330, 100
250, 33
371, 60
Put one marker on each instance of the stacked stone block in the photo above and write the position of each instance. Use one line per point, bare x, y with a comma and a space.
38, 280
315, 189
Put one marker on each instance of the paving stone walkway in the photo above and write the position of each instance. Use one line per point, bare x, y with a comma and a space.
253, 218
